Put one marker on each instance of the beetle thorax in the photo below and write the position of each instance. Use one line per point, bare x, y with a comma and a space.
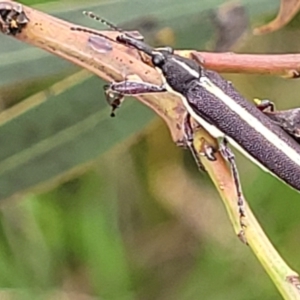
180, 73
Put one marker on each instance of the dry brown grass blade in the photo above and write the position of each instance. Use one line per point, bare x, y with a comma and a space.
287, 65
55, 36
288, 9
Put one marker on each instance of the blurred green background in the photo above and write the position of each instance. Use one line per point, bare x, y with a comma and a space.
102, 208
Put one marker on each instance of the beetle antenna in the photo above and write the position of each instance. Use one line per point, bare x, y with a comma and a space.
103, 21
92, 32
133, 34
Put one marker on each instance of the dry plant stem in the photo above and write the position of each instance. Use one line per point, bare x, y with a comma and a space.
55, 36
279, 64
257, 240
275, 64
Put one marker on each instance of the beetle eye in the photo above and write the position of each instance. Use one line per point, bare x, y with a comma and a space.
158, 60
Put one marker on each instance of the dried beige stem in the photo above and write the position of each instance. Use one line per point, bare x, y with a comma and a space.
55, 36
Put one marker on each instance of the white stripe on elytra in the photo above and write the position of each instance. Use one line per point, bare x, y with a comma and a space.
249, 119
186, 67
246, 116
216, 133
213, 130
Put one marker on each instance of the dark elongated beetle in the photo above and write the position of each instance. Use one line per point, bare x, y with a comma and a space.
216, 105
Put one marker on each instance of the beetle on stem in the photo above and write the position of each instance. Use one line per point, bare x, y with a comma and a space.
215, 104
